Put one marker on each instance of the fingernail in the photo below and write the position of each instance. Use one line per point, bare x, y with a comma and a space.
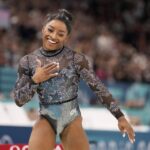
123, 135
132, 141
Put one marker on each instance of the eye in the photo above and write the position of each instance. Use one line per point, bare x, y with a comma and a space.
61, 35
50, 30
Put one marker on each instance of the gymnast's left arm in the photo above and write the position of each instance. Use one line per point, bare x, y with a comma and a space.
86, 73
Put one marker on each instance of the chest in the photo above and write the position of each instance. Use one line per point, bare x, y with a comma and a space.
66, 64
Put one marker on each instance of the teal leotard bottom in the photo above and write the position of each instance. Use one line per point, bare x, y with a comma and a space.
60, 115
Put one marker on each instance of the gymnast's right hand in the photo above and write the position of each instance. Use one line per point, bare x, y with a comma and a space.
43, 73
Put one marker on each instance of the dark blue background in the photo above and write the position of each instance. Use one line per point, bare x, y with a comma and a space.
21, 135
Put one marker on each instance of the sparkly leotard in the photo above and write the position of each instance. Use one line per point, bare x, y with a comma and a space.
58, 95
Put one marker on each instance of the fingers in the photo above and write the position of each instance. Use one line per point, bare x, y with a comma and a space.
131, 135
52, 68
53, 64
53, 75
121, 128
125, 127
39, 62
129, 131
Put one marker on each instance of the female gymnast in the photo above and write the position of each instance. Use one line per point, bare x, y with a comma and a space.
54, 71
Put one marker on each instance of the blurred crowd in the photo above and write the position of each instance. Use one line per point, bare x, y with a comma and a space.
115, 35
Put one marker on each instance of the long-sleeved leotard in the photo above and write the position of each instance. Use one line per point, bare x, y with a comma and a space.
64, 87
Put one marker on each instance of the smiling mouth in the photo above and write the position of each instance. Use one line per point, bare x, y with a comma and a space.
51, 41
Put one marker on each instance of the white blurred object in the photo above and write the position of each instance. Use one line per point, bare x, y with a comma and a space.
98, 119
93, 118
10, 114
102, 119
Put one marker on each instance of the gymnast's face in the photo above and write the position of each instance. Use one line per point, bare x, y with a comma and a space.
54, 35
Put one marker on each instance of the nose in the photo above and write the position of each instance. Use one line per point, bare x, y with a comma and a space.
54, 36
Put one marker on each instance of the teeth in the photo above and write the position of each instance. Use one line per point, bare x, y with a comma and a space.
51, 41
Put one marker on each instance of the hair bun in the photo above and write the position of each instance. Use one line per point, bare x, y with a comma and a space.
66, 14
62, 15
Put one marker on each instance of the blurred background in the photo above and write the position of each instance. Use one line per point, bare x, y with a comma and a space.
113, 34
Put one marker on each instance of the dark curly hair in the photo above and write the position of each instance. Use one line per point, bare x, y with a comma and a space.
62, 15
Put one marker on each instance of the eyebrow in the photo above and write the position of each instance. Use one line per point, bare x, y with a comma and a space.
54, 28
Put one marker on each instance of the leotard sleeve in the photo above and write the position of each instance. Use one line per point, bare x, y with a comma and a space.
86, 73
24, 88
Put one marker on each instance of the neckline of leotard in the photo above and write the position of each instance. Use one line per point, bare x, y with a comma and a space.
50, 53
